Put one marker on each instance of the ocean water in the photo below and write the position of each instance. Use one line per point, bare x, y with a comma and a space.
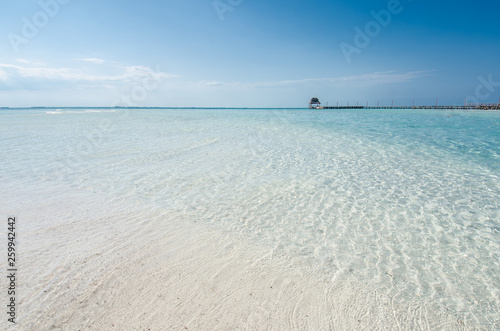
406, 201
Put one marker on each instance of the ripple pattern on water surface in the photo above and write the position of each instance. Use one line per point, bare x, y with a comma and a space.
406, 202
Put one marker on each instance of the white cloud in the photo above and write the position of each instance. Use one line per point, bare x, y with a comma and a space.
93, 60
364, 80
29, 62
212, 83
369, 79
84, 84
3, 75
110, 76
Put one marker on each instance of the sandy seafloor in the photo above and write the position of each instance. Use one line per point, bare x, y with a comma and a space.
253, 219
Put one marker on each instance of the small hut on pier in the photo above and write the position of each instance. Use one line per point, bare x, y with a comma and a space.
315, 104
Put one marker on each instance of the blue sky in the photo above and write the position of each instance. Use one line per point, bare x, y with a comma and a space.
247, 53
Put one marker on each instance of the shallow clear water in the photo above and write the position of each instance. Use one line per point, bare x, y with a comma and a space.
405, 200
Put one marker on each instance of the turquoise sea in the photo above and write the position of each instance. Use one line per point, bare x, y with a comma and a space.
406, 201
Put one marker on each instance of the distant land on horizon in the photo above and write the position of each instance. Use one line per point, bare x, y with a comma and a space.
442, 107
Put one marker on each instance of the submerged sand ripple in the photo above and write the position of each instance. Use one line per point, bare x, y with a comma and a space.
117, 266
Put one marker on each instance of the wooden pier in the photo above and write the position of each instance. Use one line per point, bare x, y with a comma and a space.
465, 107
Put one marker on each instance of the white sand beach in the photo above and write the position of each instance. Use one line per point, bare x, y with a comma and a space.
116, 266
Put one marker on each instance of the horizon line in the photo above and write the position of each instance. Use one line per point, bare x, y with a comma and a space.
305, 107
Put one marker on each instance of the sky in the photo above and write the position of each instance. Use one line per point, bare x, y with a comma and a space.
247, 53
